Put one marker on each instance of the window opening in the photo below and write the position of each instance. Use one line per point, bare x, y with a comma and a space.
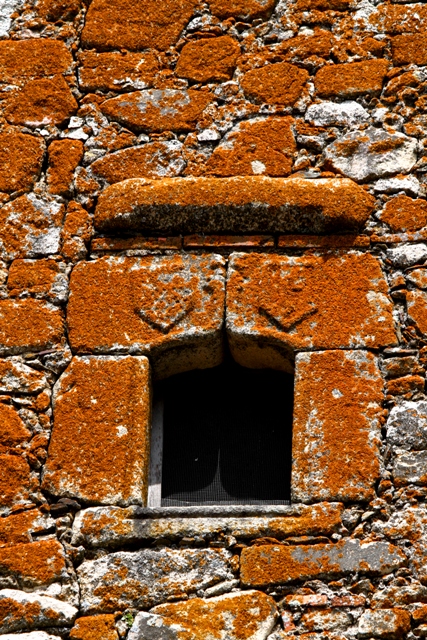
222, 436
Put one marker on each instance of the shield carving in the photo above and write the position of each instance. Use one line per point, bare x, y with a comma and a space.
164, 309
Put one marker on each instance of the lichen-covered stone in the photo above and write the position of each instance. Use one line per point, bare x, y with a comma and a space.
409, 49
21, 158
405, 214
94, 627
208, 60
15, 483
98, 451
338, 404
224, 617
21, 611
417, 309
171, 307
43, 278
117, 71
13, 432
19, 378
28, 326
418, 277
34, 565
386, 623
21, 60
19, 528
145, 578
351, 80
277, 305
262, 566
281, 83
252, 204
64, 157
243, 9
410, 468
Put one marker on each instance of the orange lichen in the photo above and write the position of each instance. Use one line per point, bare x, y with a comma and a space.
15, 483
21, 158
404, 385
21, 60
17, 529
405, 214
41, 102
209, 59
36, 564
32, 277
95, 628
243, 9
352, 79
280, 83
397, 19
410, 49
115, 71
29, 325
417, 309
64, 157
13, 431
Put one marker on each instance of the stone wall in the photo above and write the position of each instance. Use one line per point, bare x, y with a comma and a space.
174, 175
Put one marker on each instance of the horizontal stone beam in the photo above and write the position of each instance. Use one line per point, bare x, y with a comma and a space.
249, 204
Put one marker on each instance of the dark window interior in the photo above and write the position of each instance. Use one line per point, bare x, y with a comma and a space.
227, 436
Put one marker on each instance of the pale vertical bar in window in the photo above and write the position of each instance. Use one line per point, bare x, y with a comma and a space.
155, 482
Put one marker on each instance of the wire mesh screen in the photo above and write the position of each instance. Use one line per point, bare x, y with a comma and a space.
227, 436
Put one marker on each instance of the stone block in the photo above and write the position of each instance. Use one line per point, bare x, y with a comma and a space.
15, 482
410, 468
327, 114
409, 49
252, 204
13, 431
21, 611
417, 309
34, 565
99, 447
21, 158
407, 426
115, 527
405, 386
351, 80
94, 628
117, 71
405, 214
208, 59
336, 429
418, 277
224, 617
30, 227
21, 60
243, 9
280, 83
396, 19
33, 635
170, 307
19, 528
16, 377
145, 578
29, 326
386, 623
262, 566
158, 109
143, 24
278, 305
64, 157
326, 620
43, 278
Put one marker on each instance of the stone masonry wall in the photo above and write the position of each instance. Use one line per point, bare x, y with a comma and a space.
174, 175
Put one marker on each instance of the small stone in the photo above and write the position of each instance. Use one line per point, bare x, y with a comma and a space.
45, 279
397, 367
409, 184
33, 635
29, 325
418, 277
410, 468
327, 114
94, 627
404, 214
117, 71
208, 59
281, 83
384, 623
242, 9
64, 157
417, 309
371, 154
13, 432
38, 564
324, 621
20, 527
15, 483
405, 385
351, 80
406, 255
21, 611
21, 158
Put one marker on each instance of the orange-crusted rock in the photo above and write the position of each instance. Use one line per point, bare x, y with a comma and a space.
117, 71
324, 5
277, 305
76, 232
280, 83
158, 109
208, 59
29, 325
30, 227
222, 617
259, 146
20, 527
21, 158
404, 385
21, 60
64, 157
405, 214
399, 18
15, 482
99, 447
20, 611
304, 46
34, 565
43, 278
95, 628
171, 307
243, 9
13, 431
153, 160
17, 377
252, 204
135, 24
417, 309
56, 10
344, 391
409, 49
351, 80
262, 566
384, 623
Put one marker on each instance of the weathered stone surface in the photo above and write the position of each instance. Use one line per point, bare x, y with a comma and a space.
34, 565
324, 621
351, 80
417, 309
338, 404
372, 153
99, 447
410, 468
386, 623
15, 482
19, 528
64, 157
280, 83
30, 227
224, 617
326, 114
20, 611
208, 59
17, 377
407, 255
243, 9
145, 578
265, 565
171, 307
29, 325
94, 627
33, 635
405, 214
21, 158
112, 526
153, 160
409, 49
76, 232
117, 71
262, 146
277, 305
405, 385
397, 19
32, 58
418, 277
43, 278
13, 432
396, 595
407, 426
252, 204
158, 109
136, 25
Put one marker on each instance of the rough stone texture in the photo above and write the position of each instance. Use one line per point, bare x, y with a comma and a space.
93, 627
21, 611
277, 305
409, 49
267, 565
64, 157
338, 398
208, 60
388, 623
243, 9
252, 205
98, 451
112, 526
33, 635
145, 578
224, 618
410, 468
407, 426
34, 565
21, 158
41, 102
418, 278
324, 114
17, 377
117, 71
22, 527
406, 255
417, 307
43, 278
405, 214
176, 318
371, 154
15, 483
280, 83
29, 325
351, 80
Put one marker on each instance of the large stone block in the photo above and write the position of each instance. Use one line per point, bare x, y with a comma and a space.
277, 305
19, 528
145, 578
171, 307
336, 431
99, 448
251, 204
29, 325
21, 158
351, 80
21, 611
34, 565
262, 566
